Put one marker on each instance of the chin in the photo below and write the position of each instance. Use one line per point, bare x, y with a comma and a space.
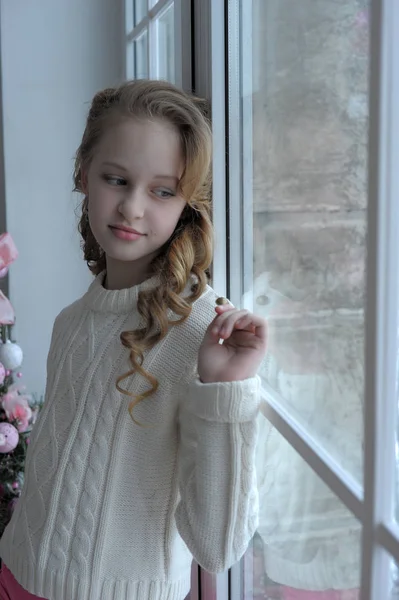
127, 252
129, 255
125, 257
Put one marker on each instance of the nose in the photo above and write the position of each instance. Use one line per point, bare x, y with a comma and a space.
132, 206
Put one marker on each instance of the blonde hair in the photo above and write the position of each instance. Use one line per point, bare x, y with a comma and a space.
189, 250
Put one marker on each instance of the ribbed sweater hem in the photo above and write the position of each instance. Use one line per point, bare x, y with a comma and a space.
56, 586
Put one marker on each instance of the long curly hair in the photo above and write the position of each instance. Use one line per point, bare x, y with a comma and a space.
189, 251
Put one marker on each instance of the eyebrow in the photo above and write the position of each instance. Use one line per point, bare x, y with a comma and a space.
170, 177
122, 168
114, 166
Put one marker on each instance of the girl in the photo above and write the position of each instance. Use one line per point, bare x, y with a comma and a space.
143, 455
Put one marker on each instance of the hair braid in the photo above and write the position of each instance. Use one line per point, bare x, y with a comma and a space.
189, 251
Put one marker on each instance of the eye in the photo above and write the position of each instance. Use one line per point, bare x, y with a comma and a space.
164, 193
114, 181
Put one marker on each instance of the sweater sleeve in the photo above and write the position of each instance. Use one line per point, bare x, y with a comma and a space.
218, 510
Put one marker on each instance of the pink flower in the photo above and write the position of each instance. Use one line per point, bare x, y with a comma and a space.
16, 406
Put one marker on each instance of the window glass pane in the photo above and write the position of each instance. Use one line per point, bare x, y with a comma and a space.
307, 540
394, 592
140, 56
140, 8
129, 15
166, 44
308, 176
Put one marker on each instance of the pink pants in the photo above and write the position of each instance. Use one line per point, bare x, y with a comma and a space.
10, 588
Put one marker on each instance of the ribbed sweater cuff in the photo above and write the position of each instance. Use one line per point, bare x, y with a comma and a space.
226, 402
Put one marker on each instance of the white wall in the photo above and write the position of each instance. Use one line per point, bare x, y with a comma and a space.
55, 54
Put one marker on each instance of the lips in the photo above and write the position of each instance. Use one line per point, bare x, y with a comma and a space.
126, 234
127, 229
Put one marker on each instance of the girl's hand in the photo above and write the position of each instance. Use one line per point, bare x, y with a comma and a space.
244, 338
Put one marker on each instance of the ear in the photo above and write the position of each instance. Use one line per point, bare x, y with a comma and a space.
84, 181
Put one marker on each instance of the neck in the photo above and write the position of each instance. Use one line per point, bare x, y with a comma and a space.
123, 275
119, 301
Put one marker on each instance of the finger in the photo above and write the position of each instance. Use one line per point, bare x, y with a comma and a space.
224, 314
220, 310
226, 323
227, 315
248, 322
243, 337
245, 323
260, 326
223, 304
218, 322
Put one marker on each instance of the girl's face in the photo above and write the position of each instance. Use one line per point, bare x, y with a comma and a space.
134, 204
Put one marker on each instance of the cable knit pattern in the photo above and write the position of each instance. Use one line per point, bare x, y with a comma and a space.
113, 511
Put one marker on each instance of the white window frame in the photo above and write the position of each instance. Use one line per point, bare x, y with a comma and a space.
183, 41
208, 82
373, 503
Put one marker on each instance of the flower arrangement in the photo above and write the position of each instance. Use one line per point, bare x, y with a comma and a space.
18, 410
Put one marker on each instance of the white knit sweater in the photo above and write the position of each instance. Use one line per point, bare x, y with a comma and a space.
114, 511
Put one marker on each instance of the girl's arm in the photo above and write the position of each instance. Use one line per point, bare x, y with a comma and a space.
218, 511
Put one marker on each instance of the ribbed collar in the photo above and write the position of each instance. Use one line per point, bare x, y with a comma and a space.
99, 299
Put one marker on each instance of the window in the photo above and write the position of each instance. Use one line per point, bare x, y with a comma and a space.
158, 40
305, 102
305, 105
305, 122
